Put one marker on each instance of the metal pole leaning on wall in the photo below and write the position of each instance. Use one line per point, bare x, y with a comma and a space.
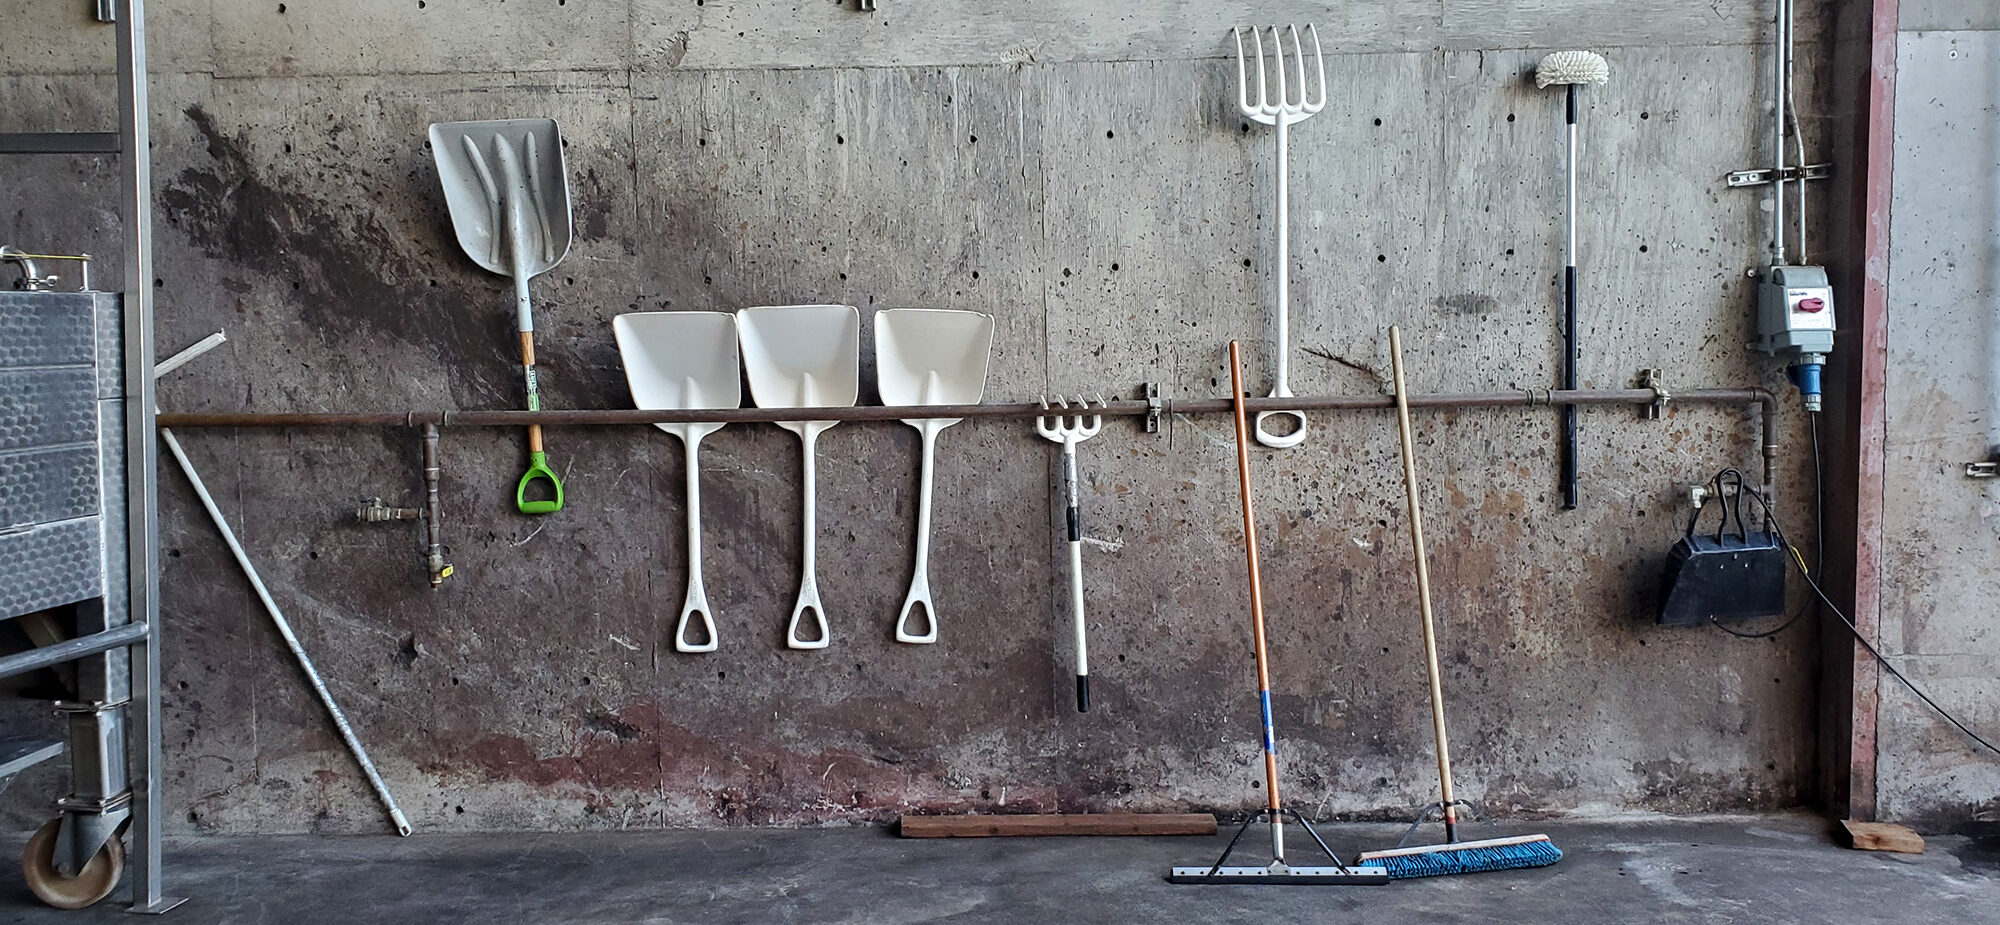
1518, 398
291, 639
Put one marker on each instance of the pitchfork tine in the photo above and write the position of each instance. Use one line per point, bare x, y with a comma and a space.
1242, 75
1278, 53
1319, 61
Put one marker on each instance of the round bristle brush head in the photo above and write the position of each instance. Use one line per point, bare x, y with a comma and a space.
1572, 67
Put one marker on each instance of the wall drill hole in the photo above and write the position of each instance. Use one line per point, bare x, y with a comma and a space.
1107, 133
1642, 248
1645, 115
1378, 121
1510, 117
840, 139
1381, 258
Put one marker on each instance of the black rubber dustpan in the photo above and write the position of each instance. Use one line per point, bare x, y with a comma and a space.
1724, 577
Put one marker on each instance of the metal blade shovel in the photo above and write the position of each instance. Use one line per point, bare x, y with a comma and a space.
508, 191
929, 357
681, 361
803, 356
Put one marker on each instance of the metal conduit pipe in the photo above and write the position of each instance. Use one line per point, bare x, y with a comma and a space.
1517, 398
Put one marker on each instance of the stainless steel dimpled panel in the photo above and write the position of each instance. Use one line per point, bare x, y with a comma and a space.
117, 596
57, 483
47, 329
47, 407
110, 345
50, 565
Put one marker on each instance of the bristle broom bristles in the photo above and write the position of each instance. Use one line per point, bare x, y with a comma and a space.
1464, 858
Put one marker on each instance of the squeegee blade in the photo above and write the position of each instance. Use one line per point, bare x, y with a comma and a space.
1352, 876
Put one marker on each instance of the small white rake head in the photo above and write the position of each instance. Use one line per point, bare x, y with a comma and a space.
1064, 426
1275, 100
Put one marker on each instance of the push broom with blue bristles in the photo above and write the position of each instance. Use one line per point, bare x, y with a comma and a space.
1454, 856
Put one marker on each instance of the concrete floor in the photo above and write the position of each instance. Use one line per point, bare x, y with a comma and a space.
1751, 869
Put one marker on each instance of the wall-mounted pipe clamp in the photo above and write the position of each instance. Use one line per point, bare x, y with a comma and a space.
1650, 378
1156, 407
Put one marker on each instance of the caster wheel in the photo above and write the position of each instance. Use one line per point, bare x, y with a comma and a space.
94, 882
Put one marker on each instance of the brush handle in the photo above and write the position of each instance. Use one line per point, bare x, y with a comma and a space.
1570, 347
1423, 582
1569, 452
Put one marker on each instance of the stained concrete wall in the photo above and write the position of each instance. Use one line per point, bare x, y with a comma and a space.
1085, 178
1941, 564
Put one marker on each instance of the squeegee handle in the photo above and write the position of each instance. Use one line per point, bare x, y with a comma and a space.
1256, 587
1423, 581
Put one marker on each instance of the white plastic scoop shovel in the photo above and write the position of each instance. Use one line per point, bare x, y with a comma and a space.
680, 361
803, 356
927, 356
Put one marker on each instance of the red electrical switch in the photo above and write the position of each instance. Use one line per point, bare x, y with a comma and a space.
1811, 306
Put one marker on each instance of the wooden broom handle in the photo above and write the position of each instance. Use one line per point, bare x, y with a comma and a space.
1423, 576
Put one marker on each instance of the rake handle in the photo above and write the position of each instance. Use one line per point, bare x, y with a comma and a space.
1423, 582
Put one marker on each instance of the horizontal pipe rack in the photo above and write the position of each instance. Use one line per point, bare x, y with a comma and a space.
1517, 398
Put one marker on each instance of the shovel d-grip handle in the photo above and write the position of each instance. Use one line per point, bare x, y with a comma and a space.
809, 578
920, 582
538, 470
1281, 441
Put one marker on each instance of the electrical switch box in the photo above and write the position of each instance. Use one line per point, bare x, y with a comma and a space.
1795, 313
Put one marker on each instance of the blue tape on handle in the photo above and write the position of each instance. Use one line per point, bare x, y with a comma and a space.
1270, 731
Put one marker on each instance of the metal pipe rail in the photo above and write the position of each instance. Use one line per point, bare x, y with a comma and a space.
1518, 398
70, 650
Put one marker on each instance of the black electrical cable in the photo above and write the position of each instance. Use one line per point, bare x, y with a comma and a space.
1819, 546
1856, 631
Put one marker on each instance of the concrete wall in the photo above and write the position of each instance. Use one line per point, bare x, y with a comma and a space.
1084, 178
1941, 564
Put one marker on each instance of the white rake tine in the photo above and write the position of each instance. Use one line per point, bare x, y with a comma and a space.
1319, 59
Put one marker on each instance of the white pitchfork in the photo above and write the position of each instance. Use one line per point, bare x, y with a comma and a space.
1070, 425
1275, 105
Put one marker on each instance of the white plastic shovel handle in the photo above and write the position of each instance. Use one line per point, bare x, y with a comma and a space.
697, 596
809, 582
920, 583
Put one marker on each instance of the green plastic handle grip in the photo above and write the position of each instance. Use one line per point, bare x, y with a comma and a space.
538, 468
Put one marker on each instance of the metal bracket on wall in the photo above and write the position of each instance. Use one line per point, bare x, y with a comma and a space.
1765, 175
1156, 407
107, 10
1983, 470
1650, 378
865, 6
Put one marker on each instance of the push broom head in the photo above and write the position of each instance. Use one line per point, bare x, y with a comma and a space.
1572, 67
1466, 857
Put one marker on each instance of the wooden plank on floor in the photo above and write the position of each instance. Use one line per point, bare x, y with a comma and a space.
1882, 836
1058, 824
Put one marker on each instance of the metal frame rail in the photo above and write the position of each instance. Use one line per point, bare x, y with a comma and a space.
139, 635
